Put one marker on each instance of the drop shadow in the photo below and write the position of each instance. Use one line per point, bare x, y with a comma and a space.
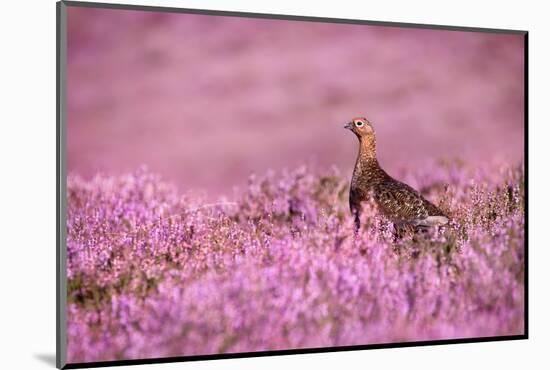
47, 358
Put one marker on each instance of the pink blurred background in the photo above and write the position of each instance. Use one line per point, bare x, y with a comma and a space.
207, 100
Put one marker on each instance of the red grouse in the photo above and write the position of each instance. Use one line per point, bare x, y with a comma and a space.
400, 203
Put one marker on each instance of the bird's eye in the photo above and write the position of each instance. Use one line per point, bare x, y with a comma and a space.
359, 123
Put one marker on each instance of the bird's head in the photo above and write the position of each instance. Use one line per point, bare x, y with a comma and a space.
361, 127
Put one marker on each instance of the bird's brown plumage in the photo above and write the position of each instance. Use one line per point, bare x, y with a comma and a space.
396, 200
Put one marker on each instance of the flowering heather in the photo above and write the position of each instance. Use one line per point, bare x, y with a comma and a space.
153, 273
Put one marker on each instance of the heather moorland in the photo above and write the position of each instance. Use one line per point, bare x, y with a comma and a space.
208, 183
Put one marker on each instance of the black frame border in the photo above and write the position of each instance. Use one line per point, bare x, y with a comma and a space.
61, 59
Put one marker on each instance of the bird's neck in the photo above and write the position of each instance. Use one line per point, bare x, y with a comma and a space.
367, 149
367, 163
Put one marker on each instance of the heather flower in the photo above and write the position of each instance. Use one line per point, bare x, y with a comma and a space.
155, 273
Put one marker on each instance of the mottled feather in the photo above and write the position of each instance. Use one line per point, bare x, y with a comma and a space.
401, 203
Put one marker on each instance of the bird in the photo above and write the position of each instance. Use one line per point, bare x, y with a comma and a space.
397, 201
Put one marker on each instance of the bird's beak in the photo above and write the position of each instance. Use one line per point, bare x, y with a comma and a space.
348, 126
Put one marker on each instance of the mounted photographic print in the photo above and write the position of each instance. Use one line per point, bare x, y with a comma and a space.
236, 184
